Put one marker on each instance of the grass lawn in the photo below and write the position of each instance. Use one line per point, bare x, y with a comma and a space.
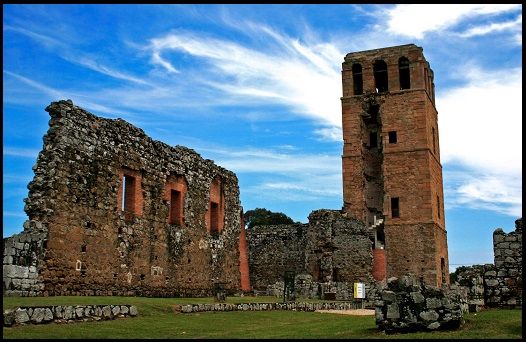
157, 319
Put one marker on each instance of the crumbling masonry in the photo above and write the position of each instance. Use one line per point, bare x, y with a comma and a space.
113, 212
392, 177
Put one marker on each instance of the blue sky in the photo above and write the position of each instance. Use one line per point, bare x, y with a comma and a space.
257, 89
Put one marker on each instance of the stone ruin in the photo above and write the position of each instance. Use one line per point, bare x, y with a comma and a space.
498, 284
114, 212
409, 305
328, 255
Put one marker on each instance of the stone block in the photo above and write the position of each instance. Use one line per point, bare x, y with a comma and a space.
393, 311
21, 315
430, 315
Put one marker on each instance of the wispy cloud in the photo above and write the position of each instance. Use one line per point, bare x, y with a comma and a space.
512, 25
480, 191
416, 20
74, 56
294, 176
286, 70
20, 152
481, 132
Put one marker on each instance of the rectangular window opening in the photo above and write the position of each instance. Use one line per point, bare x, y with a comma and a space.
176, 207
214, 218
392, 137
373, 140
128, 194
395, 207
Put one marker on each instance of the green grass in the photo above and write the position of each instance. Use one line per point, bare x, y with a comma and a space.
158, 320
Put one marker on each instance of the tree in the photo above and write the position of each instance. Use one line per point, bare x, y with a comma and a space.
262, 217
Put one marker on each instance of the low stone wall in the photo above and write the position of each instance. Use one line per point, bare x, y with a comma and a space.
293, 306
408, 305
66, 313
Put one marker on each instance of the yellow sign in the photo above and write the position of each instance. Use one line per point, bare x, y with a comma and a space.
359, 290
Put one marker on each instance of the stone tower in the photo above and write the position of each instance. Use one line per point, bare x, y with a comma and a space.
392, 176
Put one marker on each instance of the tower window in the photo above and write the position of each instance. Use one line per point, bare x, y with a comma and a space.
357, 79
403, 73
395, 207
392, 137
176, 207
83, 248
373, 139
380, 76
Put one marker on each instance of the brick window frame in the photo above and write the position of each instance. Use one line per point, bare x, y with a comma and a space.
175, 190
130, 201
215, 214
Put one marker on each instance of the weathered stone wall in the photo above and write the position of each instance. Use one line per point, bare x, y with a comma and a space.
338, 248
273, 250
504, 283
67, 314
472, 278
407, 304
22, 254
498, 284
151, 237
328, 255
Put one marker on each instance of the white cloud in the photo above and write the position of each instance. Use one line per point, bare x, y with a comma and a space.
301, 75
294, 176
415, 20
330, 133
481, 122
513, 25
481, 131
489, 192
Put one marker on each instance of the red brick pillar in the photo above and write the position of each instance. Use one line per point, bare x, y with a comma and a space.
379, 264
243, 257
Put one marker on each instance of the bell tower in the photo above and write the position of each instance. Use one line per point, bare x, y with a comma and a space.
392, 176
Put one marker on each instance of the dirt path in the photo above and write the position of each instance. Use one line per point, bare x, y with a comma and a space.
355, 312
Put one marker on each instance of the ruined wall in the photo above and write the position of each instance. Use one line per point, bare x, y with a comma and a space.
102, 196
338, 248
327, 254
273, 250
498, 284
407, 305
504, 283
391, 151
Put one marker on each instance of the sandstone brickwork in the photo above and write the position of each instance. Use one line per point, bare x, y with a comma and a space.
392, 176
114, 212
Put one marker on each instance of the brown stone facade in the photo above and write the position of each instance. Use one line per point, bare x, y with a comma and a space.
392, 176
114, 212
